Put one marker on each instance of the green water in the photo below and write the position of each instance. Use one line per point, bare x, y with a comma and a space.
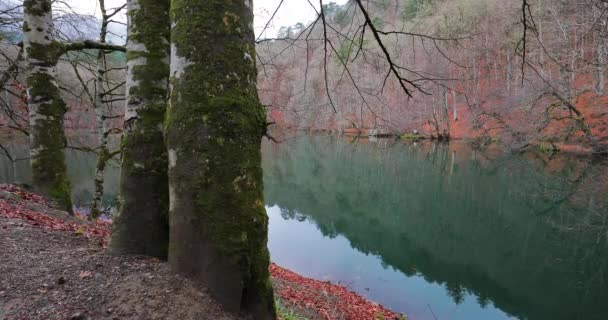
433, 231
445, 232
81, 170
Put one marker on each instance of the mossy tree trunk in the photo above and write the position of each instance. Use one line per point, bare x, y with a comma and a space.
46, 107
215, 123
142, 223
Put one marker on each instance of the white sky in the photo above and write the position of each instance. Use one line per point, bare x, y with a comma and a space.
291, 12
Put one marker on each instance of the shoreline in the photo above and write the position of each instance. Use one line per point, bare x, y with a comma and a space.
297, 297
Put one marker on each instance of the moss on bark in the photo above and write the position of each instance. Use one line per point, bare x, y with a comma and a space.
47, 109
142, 223
214, 128
37, 7
102, 159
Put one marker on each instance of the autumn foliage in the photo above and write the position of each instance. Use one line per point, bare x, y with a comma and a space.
477, 79
98, 231
313, 294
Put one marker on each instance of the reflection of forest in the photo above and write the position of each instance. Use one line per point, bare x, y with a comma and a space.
81, 169
525, 232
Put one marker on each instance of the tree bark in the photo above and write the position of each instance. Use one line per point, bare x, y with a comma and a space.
509, 72
46, 107
100, 112
102, 156
445, 114
601, 68
215, 124
141, 226
454, 105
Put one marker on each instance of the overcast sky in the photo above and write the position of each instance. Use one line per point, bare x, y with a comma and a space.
291, 12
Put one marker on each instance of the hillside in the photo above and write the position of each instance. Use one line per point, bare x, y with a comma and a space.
467, 58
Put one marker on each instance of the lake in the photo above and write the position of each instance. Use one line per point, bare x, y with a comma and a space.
433, 231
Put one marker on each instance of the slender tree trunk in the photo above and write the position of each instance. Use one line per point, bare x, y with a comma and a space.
565, 51
445, 114
102, 156
454, 105
539, 13
219, 226
46, 108
100, 112
601, 68
602, 53
141, 226
509, 72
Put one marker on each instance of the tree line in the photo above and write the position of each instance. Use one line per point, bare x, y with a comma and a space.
526, 73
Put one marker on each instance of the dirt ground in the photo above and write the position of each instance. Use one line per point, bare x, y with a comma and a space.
49, 274
54, 266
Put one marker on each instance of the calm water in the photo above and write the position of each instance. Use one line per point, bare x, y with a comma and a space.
436, 232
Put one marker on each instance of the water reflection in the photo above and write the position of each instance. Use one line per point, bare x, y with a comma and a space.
81, 169
446, 229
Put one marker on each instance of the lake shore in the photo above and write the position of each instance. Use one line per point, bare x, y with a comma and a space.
56, 266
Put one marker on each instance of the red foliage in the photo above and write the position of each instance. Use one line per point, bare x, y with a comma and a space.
24, 194
313, 294
98, 231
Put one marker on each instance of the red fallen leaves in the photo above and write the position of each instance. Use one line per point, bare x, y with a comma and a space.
99, 230
310, 293
24, 194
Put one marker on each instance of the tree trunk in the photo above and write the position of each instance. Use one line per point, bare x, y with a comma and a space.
141, 226
454, 105
100, 112
46, 108
602, 52
601, 68
102, 156
509, 72
445, 114
215, 124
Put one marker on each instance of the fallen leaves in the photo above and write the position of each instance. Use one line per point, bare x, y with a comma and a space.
29, 196
98, 231
313, 294
84, 274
